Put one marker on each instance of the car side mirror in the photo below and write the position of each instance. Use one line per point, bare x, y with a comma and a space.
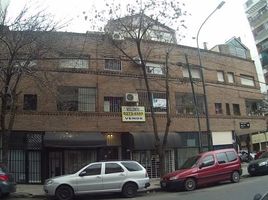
257, 197
83, 173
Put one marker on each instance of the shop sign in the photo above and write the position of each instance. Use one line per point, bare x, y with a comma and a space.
133, 114
244, 125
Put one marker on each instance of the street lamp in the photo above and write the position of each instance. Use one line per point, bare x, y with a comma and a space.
202, 74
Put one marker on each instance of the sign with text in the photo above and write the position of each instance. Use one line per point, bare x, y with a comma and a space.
133, 114
244, 125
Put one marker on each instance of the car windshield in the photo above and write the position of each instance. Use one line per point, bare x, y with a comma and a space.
264, 155
190, 162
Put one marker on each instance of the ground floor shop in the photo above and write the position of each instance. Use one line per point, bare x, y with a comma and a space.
35, 156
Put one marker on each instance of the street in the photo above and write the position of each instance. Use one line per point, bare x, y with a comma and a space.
245, 190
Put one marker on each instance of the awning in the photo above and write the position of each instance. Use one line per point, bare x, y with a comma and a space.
74, 139
146, 140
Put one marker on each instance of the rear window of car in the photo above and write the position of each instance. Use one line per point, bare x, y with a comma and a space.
132, 166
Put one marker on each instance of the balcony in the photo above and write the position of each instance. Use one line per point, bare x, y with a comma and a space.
262, 35
260, 19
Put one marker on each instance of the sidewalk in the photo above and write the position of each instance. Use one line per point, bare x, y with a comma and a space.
24, 190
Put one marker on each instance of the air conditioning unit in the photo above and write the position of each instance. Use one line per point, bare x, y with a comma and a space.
117, 36
132, 97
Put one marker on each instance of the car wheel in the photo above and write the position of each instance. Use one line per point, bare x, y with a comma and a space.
235, 177
130, 190
190, 184
64, 192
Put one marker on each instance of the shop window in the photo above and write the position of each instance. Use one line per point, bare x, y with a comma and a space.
218, 108
76, 99
113, 104
236, 109
112, 64
185, 104
30, 102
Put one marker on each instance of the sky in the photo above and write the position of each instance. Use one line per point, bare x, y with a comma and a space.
227, 22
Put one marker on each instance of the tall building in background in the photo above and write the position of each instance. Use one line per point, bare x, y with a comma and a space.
257, 14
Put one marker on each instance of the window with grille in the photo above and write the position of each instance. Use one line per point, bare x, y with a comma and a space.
30, 102
253, 107
153, 68
76, 99
112, 64
185, 104
159, 101
113, 104
74, 63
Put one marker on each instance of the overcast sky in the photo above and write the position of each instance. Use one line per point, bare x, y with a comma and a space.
225, 23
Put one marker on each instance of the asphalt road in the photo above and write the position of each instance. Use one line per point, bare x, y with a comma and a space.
245, 190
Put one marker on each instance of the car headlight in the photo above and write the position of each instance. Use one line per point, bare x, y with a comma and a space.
173, 178
49, 182
263, 163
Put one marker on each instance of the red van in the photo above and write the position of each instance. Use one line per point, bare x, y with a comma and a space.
207, 167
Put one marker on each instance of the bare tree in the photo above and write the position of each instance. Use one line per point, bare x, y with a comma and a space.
22, 42
136, 29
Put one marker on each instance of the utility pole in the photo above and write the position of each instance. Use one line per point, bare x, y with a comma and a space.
195, 105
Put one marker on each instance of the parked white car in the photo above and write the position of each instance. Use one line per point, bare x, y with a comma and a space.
126, 177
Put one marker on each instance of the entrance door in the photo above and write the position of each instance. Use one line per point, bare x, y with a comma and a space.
55, 163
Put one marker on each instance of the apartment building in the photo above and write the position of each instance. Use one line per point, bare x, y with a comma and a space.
257, 14
95, 105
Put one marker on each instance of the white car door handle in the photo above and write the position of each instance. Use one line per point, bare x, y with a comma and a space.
99, 177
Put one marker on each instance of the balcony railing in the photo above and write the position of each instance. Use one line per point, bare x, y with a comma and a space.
259, 19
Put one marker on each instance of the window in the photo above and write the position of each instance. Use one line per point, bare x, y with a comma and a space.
153, 68
247, 80
76, 99
30, 102
222, 158
131, 166
113, 104
231, 156
111, 168
159, 101
112, 64
74, 63
220, 75
218, 108
208, 161
236, 109
194, 71
185, 104
228, 112
253, 107
94, 169
230, 77
239, 52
